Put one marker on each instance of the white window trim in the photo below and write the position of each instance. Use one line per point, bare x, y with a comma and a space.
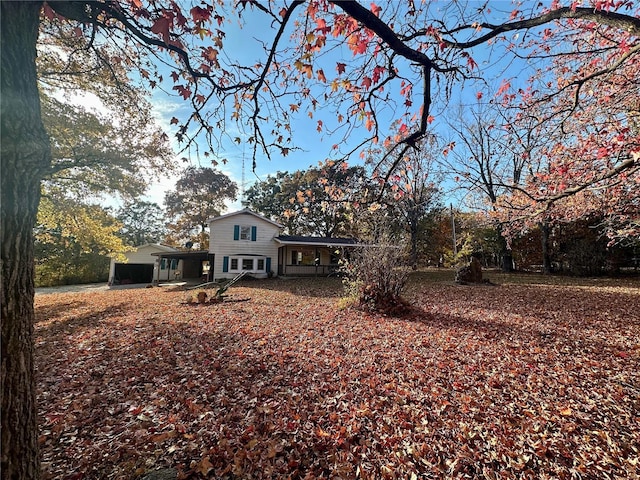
253, 259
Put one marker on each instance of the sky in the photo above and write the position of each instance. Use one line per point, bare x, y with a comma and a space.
245, 46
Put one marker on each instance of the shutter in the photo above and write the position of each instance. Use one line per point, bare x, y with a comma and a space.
268, 264
225, 264
254, 233
236, 232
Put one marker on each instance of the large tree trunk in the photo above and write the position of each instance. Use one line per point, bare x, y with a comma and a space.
413, 254
25, 157
545, 231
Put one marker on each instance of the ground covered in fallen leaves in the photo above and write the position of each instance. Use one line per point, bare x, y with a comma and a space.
516, 381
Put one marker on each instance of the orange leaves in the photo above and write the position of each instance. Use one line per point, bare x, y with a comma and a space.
369, 122
204, 466
200, 15
161, 27
495, 381
185, 92
210, 54
304, 68
505, 86
322, 27
359, 43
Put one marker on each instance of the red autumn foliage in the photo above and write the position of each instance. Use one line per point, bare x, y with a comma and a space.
512, 381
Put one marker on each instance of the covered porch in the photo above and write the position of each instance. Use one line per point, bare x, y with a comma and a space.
311, 256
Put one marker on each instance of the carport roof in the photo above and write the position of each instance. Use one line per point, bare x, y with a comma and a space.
186, 255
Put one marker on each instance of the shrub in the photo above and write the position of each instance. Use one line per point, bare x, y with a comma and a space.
374, 275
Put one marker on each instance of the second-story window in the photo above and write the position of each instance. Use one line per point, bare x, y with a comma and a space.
245, 232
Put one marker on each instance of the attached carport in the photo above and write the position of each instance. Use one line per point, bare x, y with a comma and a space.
137, 265
127, 273
192, 263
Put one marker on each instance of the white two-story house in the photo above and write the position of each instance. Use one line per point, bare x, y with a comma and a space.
243, 241
246, 241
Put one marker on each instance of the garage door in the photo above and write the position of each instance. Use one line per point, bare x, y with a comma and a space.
127, 273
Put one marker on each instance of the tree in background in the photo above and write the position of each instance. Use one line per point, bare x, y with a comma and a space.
488, 154
104, 138
142, 222
270, 197
73, 241
318, 201
439, 54
589, 165
104, 142
412, 191
200, 194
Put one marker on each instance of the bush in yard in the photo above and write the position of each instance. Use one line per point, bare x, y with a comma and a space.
375, 275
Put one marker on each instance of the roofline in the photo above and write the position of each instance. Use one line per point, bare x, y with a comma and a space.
244, 210
161, 246
317, 243
185, 253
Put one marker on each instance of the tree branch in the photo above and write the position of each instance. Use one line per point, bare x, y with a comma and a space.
627, 23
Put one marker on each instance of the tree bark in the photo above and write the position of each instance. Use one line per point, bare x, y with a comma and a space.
25, 154
413, 231
545, 231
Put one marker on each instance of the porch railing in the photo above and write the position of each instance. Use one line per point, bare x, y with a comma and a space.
309, 270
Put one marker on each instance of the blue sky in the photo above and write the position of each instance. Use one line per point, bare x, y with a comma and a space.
244, 47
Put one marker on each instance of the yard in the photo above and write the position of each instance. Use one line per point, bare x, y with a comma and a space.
533, 378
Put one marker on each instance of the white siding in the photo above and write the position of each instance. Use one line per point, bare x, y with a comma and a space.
143, 255
222, 244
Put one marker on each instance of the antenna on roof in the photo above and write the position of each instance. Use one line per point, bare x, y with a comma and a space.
242, 178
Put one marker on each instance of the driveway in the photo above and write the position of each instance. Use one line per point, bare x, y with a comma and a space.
97, 287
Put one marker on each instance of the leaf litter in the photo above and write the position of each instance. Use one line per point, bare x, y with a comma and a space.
509, 382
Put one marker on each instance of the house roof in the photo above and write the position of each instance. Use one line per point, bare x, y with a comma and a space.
316, 241
245, 211
158, 246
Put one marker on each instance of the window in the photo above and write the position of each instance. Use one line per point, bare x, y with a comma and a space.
245, 232
247, 264
303, 257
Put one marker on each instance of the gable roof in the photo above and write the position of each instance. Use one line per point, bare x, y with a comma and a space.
244, 211
316, 241
158, 246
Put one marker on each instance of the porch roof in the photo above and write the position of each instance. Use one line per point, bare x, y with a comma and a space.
316, 241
